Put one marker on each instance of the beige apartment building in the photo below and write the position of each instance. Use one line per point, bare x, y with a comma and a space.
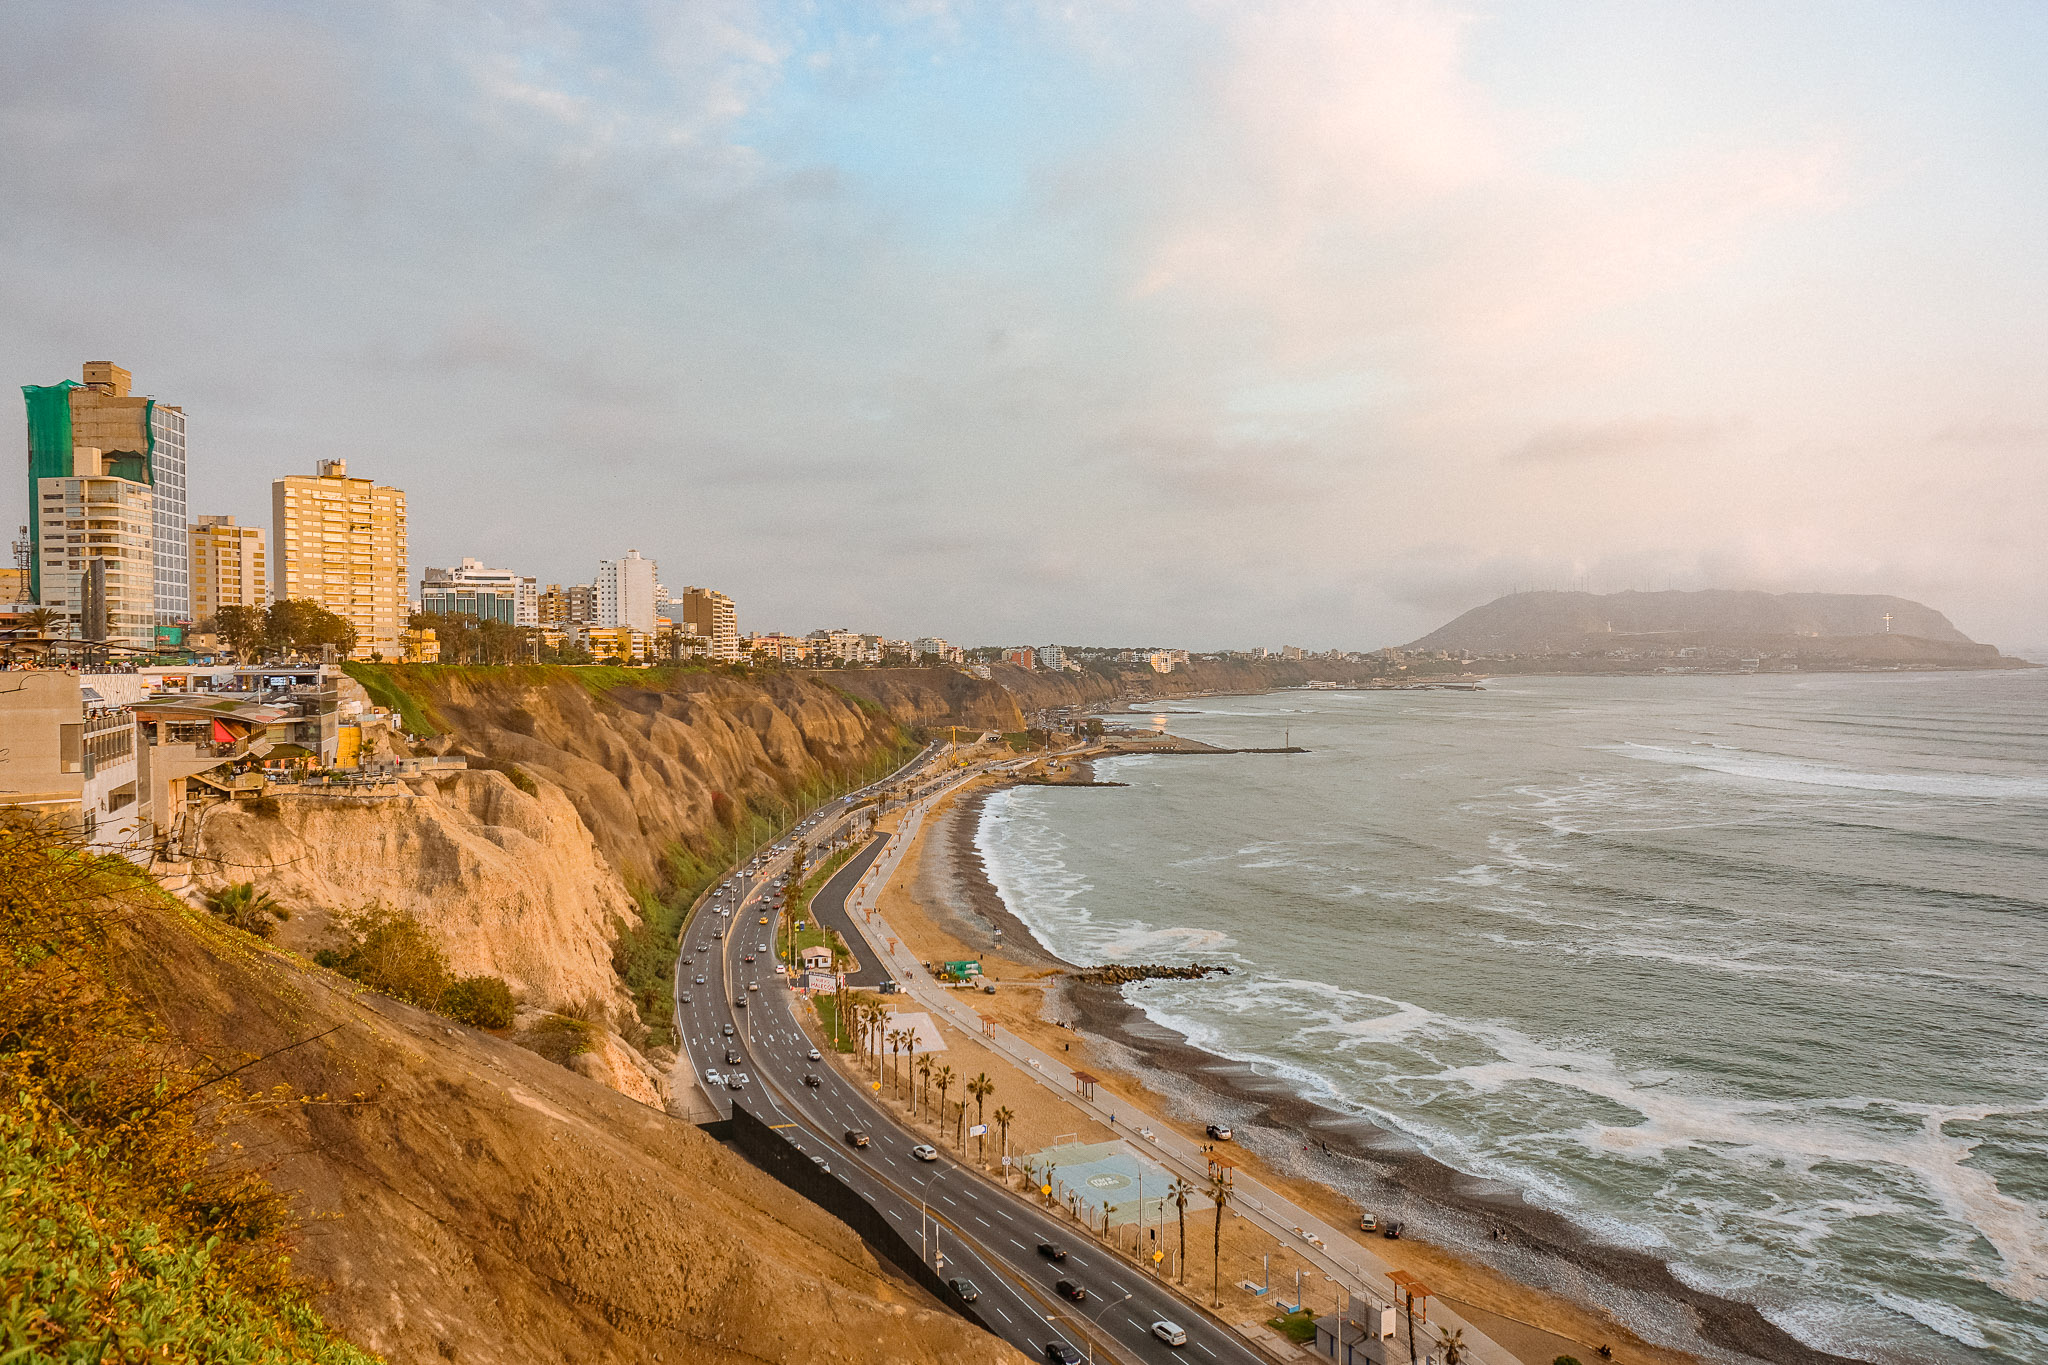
228, 567
340, 541
96, 552
710, 613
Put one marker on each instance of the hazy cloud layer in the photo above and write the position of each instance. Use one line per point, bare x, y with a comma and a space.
1221, 324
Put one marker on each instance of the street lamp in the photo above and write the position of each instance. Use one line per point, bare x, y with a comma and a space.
1095, 1321
923, 1250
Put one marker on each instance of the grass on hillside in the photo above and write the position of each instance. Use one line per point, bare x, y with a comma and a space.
828, 1015
385, 689
126, 1233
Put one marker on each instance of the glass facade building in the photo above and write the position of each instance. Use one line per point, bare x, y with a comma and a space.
173, 549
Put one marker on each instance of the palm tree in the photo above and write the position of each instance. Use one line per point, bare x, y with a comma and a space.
895, 1050
1004, 1118
1180, 1192
1453, 1343
924, 1077
944, 1079
1220, 1192
39, 621
981, 1087
242, 905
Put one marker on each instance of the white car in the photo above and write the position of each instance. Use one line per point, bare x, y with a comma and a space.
711, 1075
924, 1152
1170, 1333
813, 1054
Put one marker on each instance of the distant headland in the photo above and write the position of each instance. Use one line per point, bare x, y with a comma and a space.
1708, 631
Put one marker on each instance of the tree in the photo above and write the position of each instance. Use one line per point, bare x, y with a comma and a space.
981, 1087
1180, 1192
299, 625
40, 622
242, 629
1453, 1343
1219, 1191
1004, 1118
944, 1080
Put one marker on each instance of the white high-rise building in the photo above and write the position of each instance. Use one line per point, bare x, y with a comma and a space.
470, 589
625, 592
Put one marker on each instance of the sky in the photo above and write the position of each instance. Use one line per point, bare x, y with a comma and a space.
1204, 324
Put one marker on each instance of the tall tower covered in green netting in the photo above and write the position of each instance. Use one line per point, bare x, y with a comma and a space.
141, 440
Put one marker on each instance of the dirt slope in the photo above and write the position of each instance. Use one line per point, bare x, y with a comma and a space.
478, 1203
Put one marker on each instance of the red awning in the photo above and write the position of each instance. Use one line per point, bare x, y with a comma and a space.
221, 733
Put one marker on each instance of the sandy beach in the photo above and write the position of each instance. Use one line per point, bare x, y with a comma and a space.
1533, 1292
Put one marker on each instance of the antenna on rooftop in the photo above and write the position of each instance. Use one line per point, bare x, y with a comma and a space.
1887, 623
22, 564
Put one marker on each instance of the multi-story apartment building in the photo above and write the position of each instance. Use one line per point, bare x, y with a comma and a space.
340, 541
711, 614
138, 439
470, 589
626, 592
1052, 656
1025, 657
581, 601
95, 561
228, 567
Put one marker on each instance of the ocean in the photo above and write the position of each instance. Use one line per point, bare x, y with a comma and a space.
1750, 973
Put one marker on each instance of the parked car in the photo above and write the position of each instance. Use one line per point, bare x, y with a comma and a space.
856, 1138
925, 1152
1068, 1289
810, 1080
1368, 1222
1170, 1332
1219, 1131
965, 1289
1052, 1252
1391, 1230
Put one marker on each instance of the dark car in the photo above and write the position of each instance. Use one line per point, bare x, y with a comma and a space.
746, 957
728, 1030
1220, 1131
856, 1138
965, 1289
732, 1054
739, 1002
1068, 1289
1059, 1353
810, 1080
1052, 1252
1390, 1229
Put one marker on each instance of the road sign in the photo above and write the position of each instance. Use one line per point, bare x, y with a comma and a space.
977, 1130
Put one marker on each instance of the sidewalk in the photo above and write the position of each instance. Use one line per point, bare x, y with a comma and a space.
1362, 1274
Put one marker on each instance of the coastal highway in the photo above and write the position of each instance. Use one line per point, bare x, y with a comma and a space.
983, 1233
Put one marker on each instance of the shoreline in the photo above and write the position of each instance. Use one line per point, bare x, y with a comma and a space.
1349, 1158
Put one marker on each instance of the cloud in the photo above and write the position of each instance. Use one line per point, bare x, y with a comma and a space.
1628, 438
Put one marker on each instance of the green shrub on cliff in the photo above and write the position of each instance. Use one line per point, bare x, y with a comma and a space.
484, 1001
248, 909
124, 1233
393, 954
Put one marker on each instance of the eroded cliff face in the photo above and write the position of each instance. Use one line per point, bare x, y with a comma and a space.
511, 883
645, 765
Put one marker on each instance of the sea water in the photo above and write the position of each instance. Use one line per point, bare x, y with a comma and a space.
1748, 972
